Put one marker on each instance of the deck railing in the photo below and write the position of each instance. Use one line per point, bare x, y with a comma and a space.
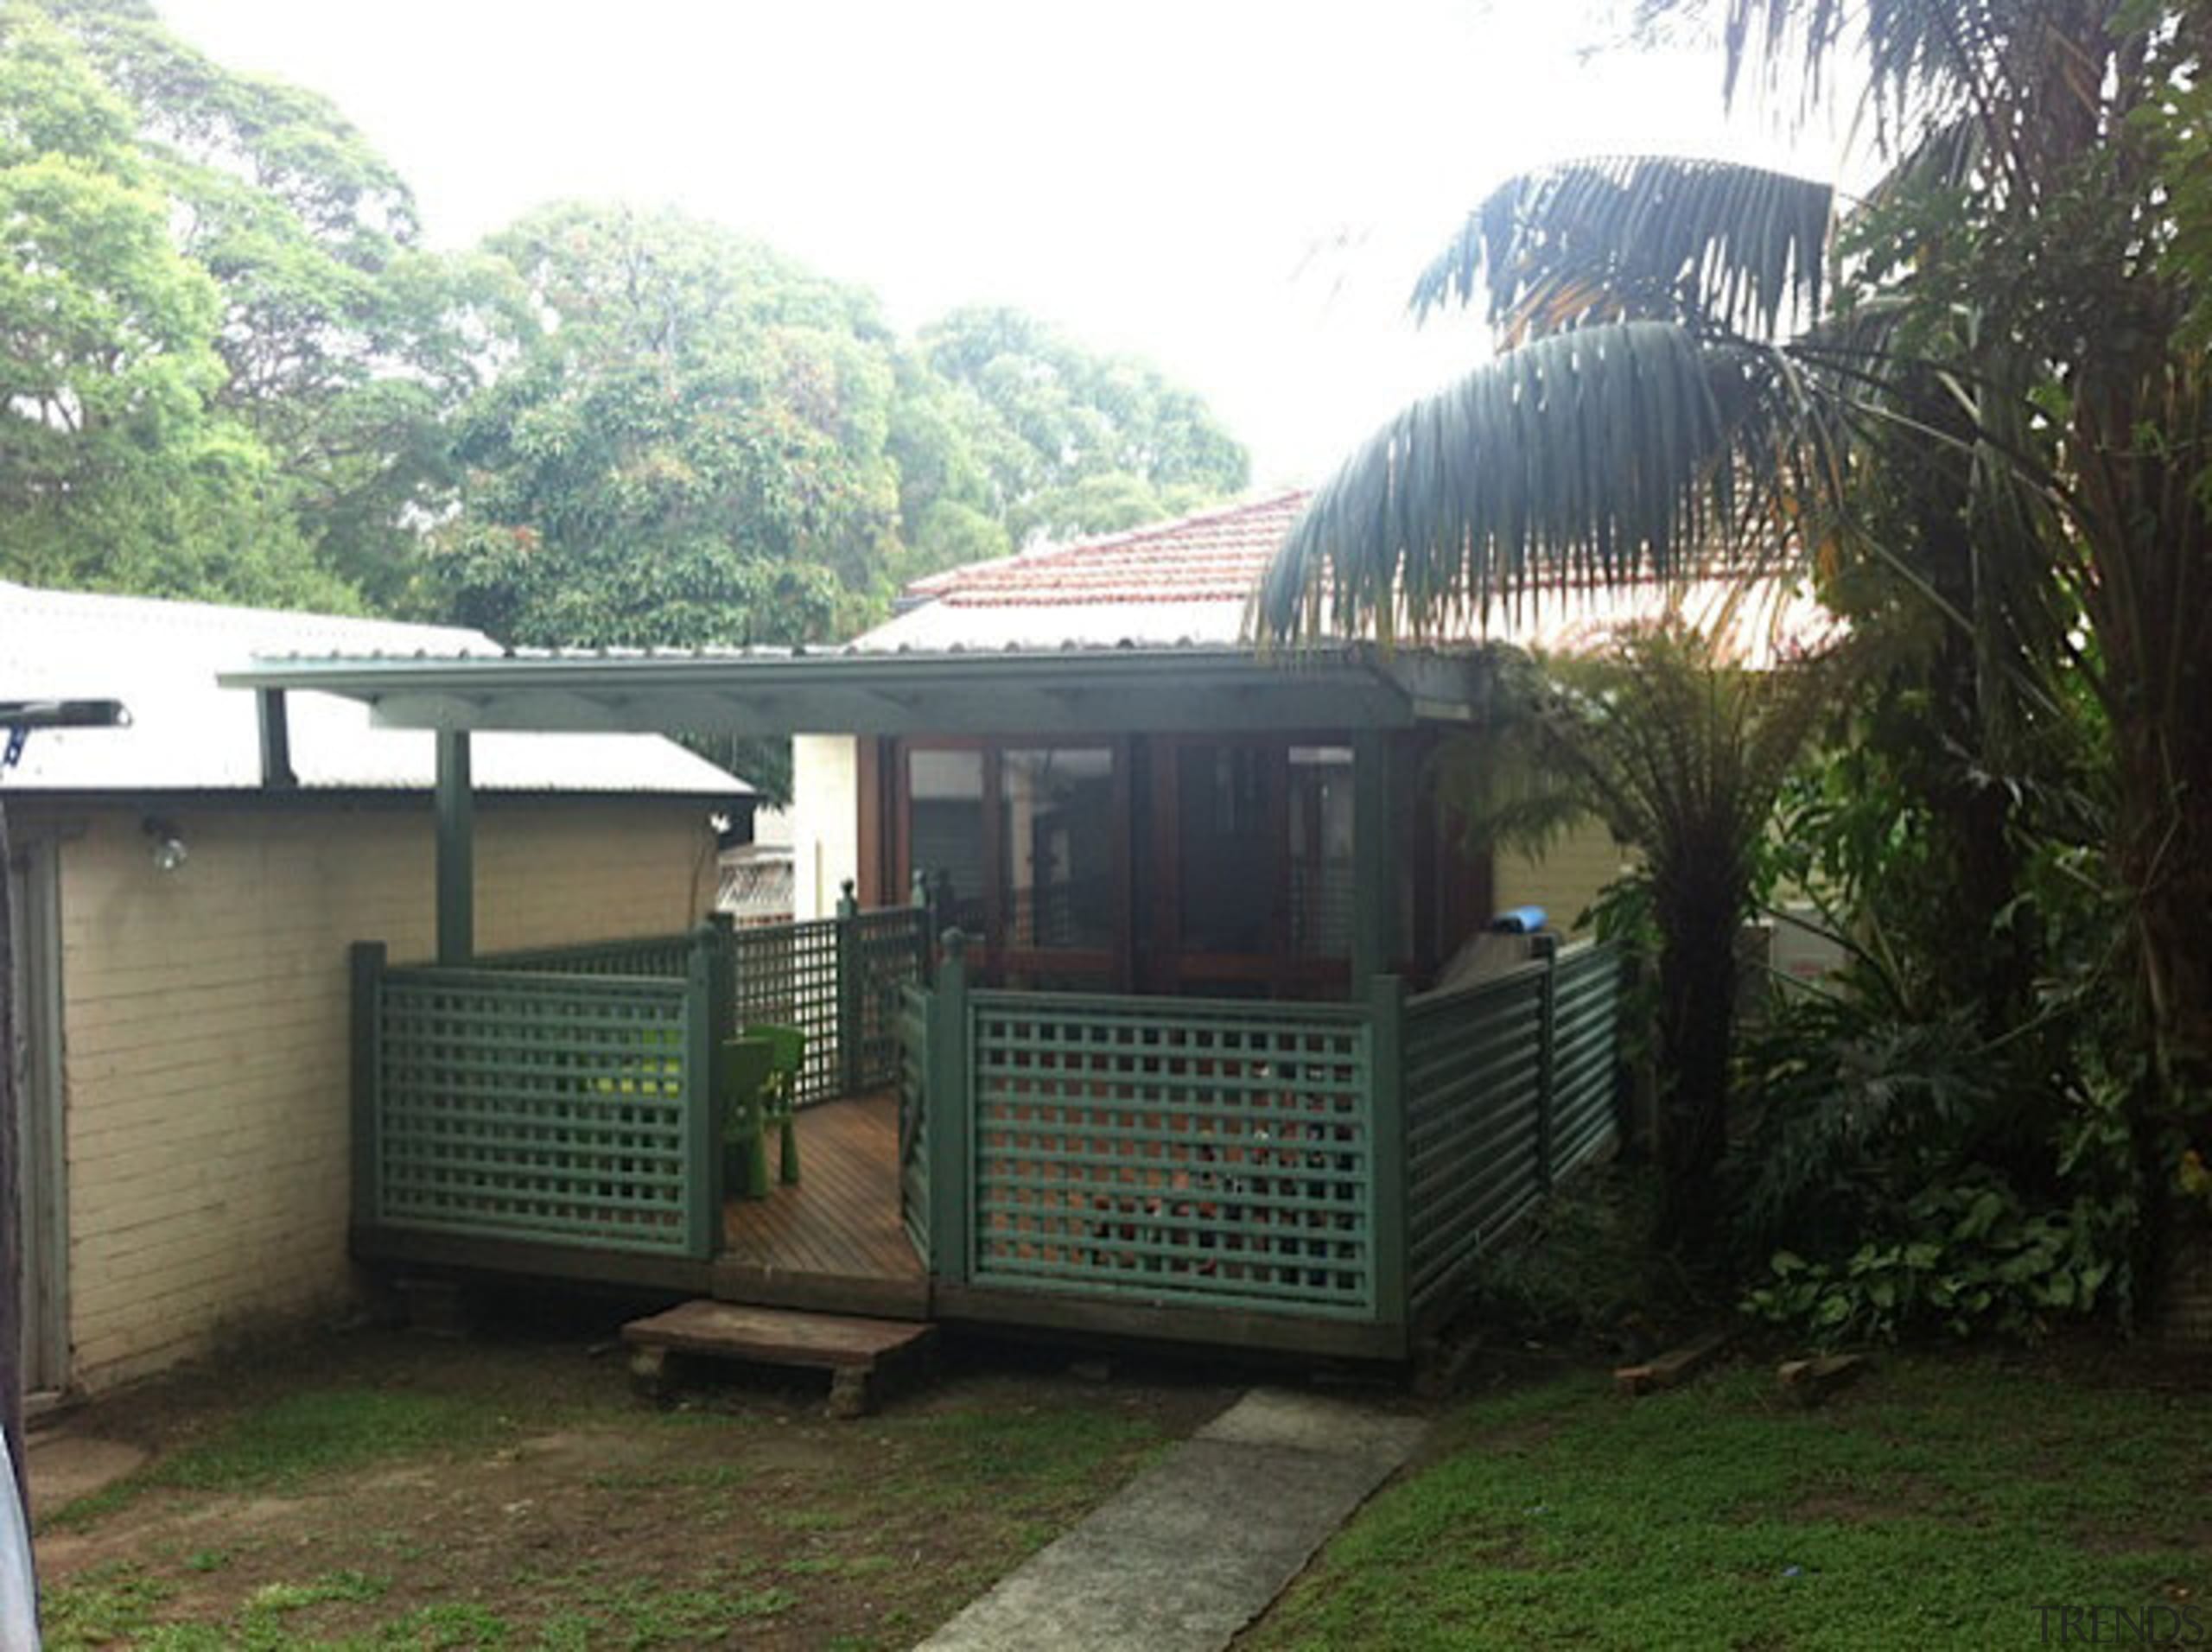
564, 1095
507, 1104
1175, 1149
1330, 1161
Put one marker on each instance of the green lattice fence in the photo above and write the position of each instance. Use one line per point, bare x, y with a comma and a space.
786, 976
886, 952
1180, 1150
913, 1031
664, 955
515, 1105
1585, 1010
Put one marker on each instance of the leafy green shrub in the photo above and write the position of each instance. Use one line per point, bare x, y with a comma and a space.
1851, 1109
1969, 1260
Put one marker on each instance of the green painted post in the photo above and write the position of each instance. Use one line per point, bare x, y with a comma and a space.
1386, 1021
456, 828
702, 1116
720, 933
849, 992
950, 1099
1374, 895
364, 964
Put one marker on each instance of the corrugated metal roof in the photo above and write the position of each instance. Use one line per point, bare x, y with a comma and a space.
188, 734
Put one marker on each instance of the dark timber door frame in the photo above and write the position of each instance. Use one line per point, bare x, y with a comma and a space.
35, 874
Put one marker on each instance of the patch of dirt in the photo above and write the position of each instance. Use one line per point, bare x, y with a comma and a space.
743, 1515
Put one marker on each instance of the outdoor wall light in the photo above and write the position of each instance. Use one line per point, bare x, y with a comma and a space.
169, 850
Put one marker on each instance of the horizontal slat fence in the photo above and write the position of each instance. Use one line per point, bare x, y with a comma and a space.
1586, 1011
1474, 1085
1205, 1153
1508, 1085
538, 1106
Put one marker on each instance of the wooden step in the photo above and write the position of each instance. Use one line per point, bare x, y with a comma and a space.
855, 1352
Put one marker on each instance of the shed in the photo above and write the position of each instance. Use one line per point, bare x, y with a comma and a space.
184, 889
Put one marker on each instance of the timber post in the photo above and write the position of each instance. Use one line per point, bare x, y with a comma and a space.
709, 1007
950, 1105
848, 991
1392, 1199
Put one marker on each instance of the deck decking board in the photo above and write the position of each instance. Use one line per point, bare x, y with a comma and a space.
836, 1241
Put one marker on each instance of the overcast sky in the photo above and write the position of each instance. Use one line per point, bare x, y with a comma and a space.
1241, 192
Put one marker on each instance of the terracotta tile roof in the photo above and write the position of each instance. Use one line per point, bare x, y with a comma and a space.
1213, 556
1189, 581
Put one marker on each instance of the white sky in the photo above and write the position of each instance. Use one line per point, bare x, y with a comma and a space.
1239, 191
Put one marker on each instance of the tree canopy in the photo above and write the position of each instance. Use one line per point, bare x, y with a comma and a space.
1073, 442
236, 371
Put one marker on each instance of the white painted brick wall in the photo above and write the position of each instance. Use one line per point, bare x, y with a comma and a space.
205, 1029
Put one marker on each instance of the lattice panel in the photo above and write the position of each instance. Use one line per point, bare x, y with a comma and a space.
914, 1032
1474, 1086
1585, 1013
1203, 1152
661, 956
533, 1107
787, 977
889, 952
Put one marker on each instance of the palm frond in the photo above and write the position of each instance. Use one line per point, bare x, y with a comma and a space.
1590, 459
1711, 243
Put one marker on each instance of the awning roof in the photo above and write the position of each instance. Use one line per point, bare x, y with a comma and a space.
758, 692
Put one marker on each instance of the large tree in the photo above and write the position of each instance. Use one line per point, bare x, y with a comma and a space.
118, 467
1072, 442
692, 447
1683, 384
344, 343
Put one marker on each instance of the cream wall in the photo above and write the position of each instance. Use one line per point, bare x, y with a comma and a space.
205, 1032
825, 821
1565, 879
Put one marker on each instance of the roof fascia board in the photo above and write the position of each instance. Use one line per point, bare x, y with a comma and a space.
1044, 692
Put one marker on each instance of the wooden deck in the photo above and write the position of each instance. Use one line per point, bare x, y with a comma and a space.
834, 1241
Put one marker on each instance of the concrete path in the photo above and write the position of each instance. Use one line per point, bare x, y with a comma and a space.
64, 1465
1196, 1547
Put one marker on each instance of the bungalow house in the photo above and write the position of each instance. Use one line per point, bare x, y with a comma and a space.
1193, 807
184, 889
1120, 964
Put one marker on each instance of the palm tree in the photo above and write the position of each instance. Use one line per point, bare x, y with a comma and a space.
1704, 364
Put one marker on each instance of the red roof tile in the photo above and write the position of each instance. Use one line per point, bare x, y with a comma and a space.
1210, 556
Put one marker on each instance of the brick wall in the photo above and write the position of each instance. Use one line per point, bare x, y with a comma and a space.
206, 1015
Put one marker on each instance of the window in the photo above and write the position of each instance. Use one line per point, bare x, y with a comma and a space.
1320, 851
1229, 848
1056, 866
945, 792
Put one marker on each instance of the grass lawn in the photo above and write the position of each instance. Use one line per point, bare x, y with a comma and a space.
1943, 1502
378, 1490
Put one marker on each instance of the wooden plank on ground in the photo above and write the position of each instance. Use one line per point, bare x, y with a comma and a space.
774, 1336
859, 1354
1672, 1369
1811, 1381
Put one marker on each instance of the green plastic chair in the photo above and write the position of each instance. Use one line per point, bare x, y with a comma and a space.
759, 1074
